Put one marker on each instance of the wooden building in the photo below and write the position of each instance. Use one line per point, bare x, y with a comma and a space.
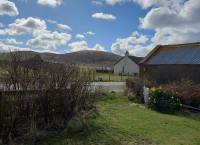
168, 63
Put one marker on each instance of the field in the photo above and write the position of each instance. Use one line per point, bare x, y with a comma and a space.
121, 122
103, 77
106, 77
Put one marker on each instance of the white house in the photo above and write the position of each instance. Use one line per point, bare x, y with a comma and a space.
128, 65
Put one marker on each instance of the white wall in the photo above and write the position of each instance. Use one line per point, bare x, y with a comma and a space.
130, 67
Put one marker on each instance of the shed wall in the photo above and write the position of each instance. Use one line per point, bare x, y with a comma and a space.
171, 73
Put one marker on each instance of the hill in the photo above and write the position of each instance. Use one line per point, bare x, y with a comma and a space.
86, 58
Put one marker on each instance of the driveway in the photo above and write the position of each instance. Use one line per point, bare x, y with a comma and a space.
109, 86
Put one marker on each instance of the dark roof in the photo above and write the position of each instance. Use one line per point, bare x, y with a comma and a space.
174, 54
133, 58
136, 59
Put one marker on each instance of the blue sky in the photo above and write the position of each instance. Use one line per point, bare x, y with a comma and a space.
62, 26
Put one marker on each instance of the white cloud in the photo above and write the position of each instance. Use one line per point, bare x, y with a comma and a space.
159, 3
177, 23
80, 36
82, 45
11, 41
8, 8
49, 40
143, 3
135, 44
59, 25
41, 37
113, 2
96, 2
148, 3
103, 16
110, 2
64, 27
47, 51
98, 47
84, 35
51, 3
24, 26
89, 33
51, 21
6, 48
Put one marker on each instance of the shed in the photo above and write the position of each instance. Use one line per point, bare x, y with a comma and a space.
169, 63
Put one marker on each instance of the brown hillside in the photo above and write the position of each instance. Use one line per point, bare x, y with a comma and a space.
88, 57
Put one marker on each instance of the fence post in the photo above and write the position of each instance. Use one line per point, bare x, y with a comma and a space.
109, 75
94, 75
1, 107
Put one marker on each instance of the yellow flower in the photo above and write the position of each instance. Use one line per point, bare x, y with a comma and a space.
153, 89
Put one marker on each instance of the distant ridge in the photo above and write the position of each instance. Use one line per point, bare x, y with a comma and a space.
86, 57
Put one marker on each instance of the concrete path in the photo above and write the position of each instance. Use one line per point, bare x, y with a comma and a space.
109, 86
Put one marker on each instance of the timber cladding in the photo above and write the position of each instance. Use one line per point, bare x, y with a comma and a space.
170, 72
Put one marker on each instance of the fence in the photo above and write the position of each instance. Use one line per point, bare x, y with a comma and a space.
101, 76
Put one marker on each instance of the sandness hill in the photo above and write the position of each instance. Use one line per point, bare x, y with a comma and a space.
86, 57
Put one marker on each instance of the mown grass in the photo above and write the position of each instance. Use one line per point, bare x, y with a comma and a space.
121, 122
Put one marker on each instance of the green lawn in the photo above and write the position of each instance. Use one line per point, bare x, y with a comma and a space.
124, 123
110, 77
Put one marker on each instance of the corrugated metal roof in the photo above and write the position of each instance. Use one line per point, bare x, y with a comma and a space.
176, 55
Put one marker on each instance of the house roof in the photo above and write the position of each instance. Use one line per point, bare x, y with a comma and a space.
174, 54
133, 58
136, 59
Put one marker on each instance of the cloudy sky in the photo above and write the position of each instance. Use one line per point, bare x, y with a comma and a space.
62, 26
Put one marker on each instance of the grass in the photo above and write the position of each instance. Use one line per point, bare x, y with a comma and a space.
121, 122
110, 77
2, 72
2, 65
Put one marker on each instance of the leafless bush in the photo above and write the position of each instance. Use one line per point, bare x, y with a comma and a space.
41, 95
135, 88
188, 91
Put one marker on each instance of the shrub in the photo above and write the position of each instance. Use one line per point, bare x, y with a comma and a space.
188, 91
164, 101
135, 88
43, 95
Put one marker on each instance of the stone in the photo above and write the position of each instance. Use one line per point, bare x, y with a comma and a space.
75, 125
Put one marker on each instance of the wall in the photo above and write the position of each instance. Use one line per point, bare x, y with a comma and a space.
130, 67
170, 73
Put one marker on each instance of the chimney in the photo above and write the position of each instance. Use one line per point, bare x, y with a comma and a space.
127, 53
